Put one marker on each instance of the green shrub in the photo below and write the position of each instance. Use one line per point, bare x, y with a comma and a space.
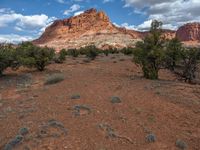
127, 51
106, 52
7, 58
149, 53
90, 51
54, 78
61, 56
190, 59
173, 53
30, 55
73, 52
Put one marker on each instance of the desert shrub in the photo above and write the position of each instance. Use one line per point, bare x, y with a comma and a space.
61, 57
91, 51
30, 55
113, 51
149, 53
181, 144
73, 52
173, 53
151, 138
127, 51
106, 52
190, 58
54, 78
7, 57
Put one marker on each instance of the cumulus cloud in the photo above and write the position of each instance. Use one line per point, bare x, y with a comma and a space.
22, 21
173, 13
31, 26
72, 9
14, 38
107, 1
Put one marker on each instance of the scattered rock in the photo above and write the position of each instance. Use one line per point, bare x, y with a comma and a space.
181, 144
75, 96
115, 99
81, 110
151, 138
15, 141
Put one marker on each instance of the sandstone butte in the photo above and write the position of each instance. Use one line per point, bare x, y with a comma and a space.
95, 28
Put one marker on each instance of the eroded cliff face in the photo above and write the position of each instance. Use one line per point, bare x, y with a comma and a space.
95, 28
189, 32
91, 27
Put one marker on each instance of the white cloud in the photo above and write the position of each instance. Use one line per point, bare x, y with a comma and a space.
173, 13
107, 1
24, 22
14, 38
78, 13
31, 26
72, 9
60, 1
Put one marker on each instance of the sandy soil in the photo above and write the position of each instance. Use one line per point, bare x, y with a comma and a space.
166, 108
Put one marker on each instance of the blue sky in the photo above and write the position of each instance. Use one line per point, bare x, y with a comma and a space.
22, 20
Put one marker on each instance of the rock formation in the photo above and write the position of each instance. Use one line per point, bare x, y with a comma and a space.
95, 28
189, 32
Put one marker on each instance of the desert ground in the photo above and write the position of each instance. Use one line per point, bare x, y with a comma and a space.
104, 104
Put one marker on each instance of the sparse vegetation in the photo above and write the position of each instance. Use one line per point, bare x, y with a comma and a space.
115, 99
127, 51
7, 58
149, 53
30, 56
90, 51
61, 56
173, 53
151, 138
73, 52
181, 144
54, 78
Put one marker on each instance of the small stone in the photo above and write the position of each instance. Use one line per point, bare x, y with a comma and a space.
151, 138
75, 96
115, 99
23, 131
181, 144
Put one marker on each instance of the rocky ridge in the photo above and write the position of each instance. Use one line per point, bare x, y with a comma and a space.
95, 28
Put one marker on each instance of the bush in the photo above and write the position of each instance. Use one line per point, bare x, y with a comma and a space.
90, 51
127, 51
32, 56
173, 53
190, 59
61, 56
150, 53
54, 78
106, 52
7, 58
73, 52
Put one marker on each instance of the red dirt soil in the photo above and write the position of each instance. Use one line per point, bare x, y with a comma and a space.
168, 108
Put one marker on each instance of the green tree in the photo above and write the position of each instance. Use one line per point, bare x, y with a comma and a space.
150, 52
173, 53
7, 59
30, 55
190, 58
